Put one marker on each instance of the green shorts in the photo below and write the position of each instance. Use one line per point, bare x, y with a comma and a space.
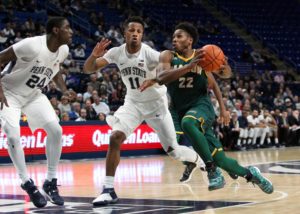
205, 116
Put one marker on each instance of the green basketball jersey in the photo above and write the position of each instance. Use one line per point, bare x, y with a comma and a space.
188, 90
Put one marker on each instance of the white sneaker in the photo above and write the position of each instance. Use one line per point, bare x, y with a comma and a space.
108, 196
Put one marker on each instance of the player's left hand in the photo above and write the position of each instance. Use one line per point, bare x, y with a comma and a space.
225, 117
146, 84
225, 70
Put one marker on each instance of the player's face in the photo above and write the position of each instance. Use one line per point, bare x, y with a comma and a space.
134, 34
65, 33
181, 40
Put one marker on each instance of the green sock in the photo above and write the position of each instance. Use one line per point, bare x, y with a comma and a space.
190, 127
229, 164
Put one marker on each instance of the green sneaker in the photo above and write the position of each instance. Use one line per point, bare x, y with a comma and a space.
215, 179
264, 184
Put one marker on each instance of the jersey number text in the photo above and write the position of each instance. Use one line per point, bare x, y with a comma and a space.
134, 82
186, 82
34, 81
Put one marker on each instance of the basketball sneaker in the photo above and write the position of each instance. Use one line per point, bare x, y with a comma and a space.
108, 196
34, 194
51, 191
215, 178
190, 168
264, 184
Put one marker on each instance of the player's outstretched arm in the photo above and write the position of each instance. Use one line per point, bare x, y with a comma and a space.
95, 61
224, 114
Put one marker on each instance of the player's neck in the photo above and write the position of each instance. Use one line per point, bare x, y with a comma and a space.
186, 53
133, 49
52, 44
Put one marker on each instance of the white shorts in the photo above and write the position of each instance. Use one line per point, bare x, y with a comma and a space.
36, 107
129, 116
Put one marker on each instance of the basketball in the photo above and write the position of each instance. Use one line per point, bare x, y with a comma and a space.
214, 58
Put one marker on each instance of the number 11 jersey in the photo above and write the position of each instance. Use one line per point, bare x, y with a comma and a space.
134, 69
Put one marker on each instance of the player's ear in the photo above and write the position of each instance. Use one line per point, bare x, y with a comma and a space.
191, 40
55, 30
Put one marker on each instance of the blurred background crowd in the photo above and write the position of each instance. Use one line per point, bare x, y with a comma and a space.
262, 96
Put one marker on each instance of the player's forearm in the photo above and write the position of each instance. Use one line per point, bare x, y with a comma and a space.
170, 75
90, 65
59, 81
219, 96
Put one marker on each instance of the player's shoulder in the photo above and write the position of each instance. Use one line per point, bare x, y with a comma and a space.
168, 52
167, 55
30, 45
63, 51
64, 48
118, 48
147, 48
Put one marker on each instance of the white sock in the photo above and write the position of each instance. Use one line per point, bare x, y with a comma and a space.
109, 181
53, 148
16, 151
276, 140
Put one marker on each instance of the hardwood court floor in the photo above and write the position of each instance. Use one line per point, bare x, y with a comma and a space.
151, 185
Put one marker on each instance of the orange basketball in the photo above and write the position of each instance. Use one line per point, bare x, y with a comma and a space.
213, 58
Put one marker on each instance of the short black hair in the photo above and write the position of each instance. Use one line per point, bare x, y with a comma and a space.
137, 19
190, 29
54, 22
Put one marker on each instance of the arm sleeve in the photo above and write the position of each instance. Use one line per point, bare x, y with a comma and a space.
27, 49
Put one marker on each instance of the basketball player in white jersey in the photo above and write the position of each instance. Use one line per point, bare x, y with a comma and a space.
136, 62
32, 63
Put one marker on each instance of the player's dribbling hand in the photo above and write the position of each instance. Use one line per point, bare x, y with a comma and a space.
225, 117
100, 48
3, 99
146, 84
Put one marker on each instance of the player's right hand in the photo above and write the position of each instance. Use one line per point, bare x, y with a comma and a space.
3, 99
199, 56
100, 48
146, 84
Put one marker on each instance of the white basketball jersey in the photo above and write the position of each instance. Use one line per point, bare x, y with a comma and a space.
134, 69
35, 66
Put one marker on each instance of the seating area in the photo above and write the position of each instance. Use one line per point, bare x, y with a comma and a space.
274, 22
167, 15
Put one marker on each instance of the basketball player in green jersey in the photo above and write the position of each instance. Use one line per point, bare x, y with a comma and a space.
187, 86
